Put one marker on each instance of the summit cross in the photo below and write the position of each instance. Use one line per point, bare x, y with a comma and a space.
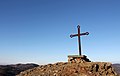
79, 34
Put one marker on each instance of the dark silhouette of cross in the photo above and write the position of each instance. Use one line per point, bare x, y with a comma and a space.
79, 34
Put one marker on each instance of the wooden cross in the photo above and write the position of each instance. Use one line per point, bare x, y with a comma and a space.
79, 34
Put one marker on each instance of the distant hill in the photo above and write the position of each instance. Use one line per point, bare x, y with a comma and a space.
116, 67
12, 70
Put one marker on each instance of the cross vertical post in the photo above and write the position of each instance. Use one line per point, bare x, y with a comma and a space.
79, 42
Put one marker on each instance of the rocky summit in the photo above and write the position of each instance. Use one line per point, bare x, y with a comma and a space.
72, 69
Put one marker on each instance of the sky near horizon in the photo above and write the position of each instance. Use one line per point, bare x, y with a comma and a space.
37, 31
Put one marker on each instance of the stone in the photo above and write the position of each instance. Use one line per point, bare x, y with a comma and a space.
78, 59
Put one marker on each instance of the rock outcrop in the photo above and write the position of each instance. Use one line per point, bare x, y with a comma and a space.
72, 69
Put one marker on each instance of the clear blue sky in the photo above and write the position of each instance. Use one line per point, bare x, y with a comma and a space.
38, 30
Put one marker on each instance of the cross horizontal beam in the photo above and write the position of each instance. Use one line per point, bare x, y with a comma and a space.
86, 33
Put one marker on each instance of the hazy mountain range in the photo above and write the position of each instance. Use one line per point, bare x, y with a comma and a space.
117, 68
12, 70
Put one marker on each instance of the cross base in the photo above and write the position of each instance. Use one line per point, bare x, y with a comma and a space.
77, 59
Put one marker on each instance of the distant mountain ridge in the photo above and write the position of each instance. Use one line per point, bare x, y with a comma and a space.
116, 67
14, 69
